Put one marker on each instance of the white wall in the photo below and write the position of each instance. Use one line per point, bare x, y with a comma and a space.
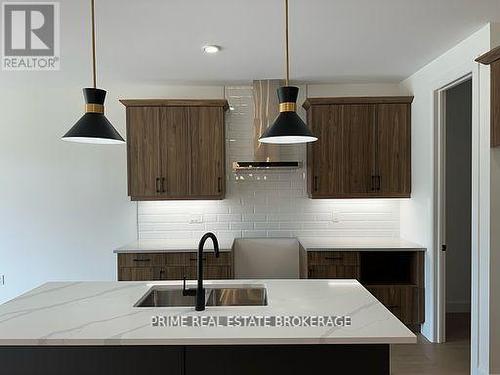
64, 206
417, 214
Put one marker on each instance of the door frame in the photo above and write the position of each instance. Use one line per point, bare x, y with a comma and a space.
440, 199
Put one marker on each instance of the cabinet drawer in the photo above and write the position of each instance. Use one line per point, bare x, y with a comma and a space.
136, 273
177, 259
401, 300
333, 272
210, 259
210, 272
346, 258
140, 260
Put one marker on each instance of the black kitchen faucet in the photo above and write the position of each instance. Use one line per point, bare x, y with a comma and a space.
199, 292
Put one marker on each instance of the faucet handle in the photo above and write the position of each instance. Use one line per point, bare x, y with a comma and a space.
185, 291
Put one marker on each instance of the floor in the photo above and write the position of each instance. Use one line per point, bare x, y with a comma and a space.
450, 358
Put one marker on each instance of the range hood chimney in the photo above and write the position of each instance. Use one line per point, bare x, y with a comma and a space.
266, 109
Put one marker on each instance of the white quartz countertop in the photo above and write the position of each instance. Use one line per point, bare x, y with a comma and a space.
358, 243
174, 245
103, 313
308, 243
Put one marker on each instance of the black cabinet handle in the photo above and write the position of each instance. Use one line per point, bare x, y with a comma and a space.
193, 259
163, 189
162, 274
315, 183
373, 183
334, 258
142, 260
157, 184
219, 186
378, 183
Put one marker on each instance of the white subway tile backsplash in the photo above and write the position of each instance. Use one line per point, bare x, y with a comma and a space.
265, 203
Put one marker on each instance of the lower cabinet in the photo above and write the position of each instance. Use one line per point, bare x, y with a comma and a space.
357, 359
172, 266
395, 278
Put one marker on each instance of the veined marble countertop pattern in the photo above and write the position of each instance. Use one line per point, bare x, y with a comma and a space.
102, 313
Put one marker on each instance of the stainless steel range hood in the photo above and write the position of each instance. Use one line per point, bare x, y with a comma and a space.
250, 165
266, 109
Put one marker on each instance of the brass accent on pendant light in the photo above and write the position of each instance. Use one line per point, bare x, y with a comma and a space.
93, 126
288, 107
288, 127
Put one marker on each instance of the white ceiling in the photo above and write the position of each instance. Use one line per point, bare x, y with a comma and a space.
331, 40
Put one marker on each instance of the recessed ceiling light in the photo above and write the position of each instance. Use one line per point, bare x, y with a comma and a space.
211, 49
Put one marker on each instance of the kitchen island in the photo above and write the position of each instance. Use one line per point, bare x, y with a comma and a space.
99, 328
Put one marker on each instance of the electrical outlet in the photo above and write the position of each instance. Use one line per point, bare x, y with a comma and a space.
335, 217
196, 219
2, 280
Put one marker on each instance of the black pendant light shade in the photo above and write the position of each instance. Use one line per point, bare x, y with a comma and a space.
288, 127
93, 126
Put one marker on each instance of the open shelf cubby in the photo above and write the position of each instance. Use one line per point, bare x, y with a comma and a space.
388, 268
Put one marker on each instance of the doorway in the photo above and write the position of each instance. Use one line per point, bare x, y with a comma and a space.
455, 219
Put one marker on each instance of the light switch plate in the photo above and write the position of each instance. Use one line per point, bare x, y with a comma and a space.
196, 219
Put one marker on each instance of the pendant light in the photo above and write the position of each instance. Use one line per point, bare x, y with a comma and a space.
288, 127
93, 126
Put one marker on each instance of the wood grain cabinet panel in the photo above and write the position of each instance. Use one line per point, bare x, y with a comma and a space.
333, 272
401, 300
143, 151
207, 156
402, 292
325, 157
492, 58
172, 266
342, 258
363, 149
393, 149
175, 152
358, 149
176, 149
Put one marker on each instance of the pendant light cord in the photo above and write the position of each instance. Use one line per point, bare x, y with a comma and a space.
94, 75
287, 55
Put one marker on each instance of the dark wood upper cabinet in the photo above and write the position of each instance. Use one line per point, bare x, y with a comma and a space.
364, 147
143, 147
175, 149
492, 58
207, 145
393, 149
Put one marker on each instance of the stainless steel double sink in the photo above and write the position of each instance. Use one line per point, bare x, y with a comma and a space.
234, 295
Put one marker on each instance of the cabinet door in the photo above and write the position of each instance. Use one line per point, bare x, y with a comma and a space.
175, 152
358, 129
333, 272
137, 273
325, 155
207, 151
143, 146
402, 301
393, 150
